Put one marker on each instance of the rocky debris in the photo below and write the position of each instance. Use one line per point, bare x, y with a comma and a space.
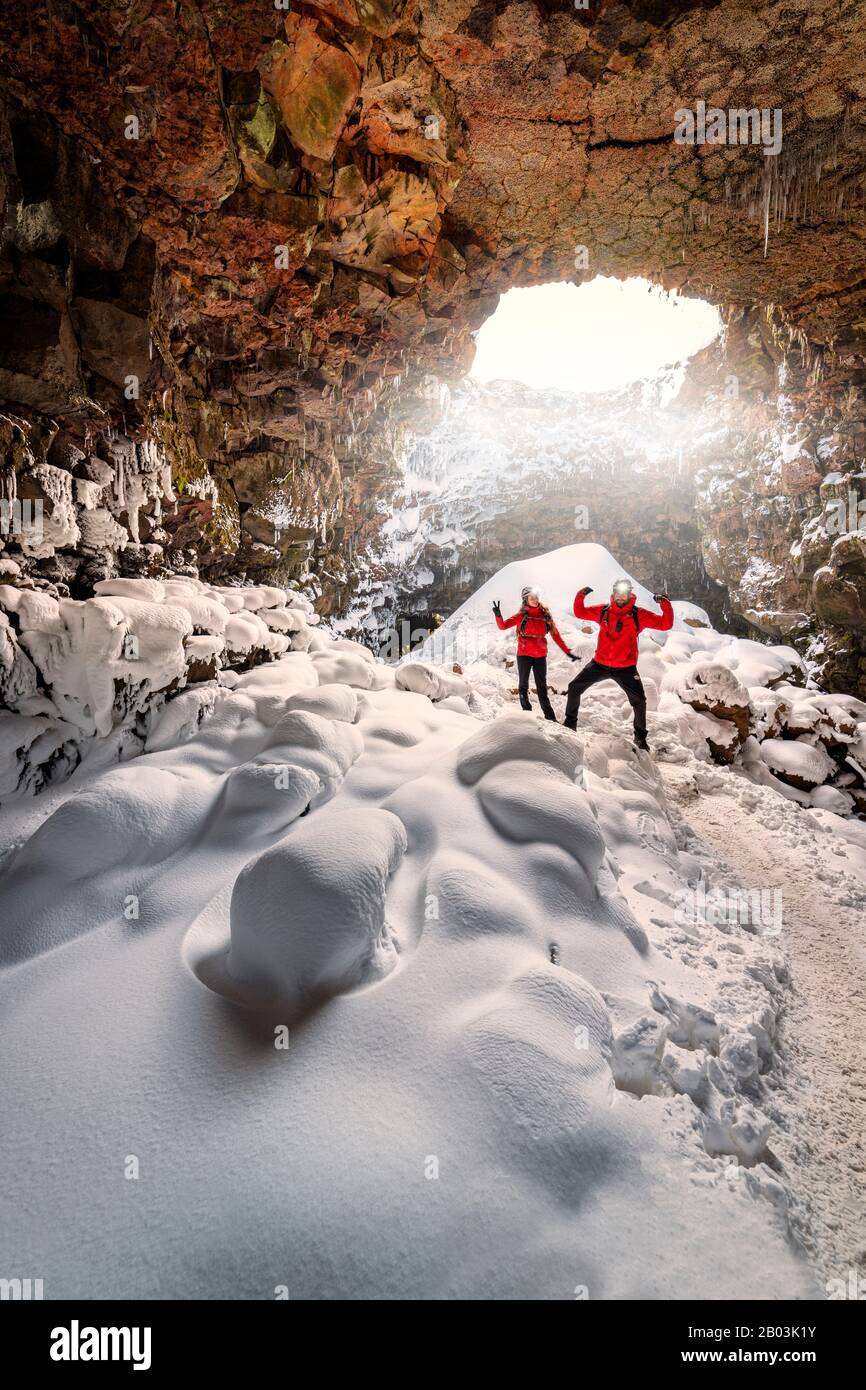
745, 697
806, 739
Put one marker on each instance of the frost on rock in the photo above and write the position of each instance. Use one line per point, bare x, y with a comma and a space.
142, 654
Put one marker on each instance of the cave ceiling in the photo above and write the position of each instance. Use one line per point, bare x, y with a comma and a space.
285, 224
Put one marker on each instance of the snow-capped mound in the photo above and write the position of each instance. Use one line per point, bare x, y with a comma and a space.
470, 634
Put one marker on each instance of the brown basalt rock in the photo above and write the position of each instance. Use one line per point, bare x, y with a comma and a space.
732, 714
314, 85
799, 474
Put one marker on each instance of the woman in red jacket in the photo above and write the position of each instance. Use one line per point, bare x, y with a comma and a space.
533, 623
620, 622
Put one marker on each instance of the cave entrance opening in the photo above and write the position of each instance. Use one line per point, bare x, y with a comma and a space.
549, 442
598, 336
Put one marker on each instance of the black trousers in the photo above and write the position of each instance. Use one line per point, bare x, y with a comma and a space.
538, 666
626, 678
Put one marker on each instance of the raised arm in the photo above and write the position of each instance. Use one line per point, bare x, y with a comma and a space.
503, 623
581, 610
660, 621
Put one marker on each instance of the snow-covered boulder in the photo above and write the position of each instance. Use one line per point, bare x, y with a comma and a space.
342, 667
308, 916
712, 689
433, 681
802, 764
245, 632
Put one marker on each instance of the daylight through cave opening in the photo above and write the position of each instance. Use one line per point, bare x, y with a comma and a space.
568, 427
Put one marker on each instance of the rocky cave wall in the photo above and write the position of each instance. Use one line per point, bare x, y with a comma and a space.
242, 248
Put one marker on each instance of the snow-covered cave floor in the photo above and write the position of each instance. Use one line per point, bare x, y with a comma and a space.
821, 1136
748, 835
449, 1129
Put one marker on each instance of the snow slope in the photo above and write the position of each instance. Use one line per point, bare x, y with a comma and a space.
470, 633
346, 992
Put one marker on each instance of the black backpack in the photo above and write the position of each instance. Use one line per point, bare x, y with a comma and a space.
634, 614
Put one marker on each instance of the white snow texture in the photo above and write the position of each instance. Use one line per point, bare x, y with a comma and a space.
380, 987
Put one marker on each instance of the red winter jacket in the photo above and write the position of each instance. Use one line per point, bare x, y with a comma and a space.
620, 648
533, 640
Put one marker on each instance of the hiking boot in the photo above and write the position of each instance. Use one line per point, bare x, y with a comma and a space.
549, 714
566, 724
524, 702
641, 743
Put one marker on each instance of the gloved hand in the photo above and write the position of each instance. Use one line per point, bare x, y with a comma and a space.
658, 597
497, 610
571, 656
587, 589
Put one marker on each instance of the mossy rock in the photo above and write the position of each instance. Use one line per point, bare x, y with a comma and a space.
254, 125
315, 85
379, 16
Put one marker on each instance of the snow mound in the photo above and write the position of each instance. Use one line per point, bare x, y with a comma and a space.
325, 747
308, 916
330, 701
353, 668
531, 801
511, 738
431, 681
468, 634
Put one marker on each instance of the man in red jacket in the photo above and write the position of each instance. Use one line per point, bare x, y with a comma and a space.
533, 623
620, 622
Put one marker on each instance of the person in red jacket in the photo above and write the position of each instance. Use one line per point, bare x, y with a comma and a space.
620, 622
533, 623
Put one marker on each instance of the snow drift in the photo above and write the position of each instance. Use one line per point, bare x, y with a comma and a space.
388, 999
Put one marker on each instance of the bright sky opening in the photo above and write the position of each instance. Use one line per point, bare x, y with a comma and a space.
595, 337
